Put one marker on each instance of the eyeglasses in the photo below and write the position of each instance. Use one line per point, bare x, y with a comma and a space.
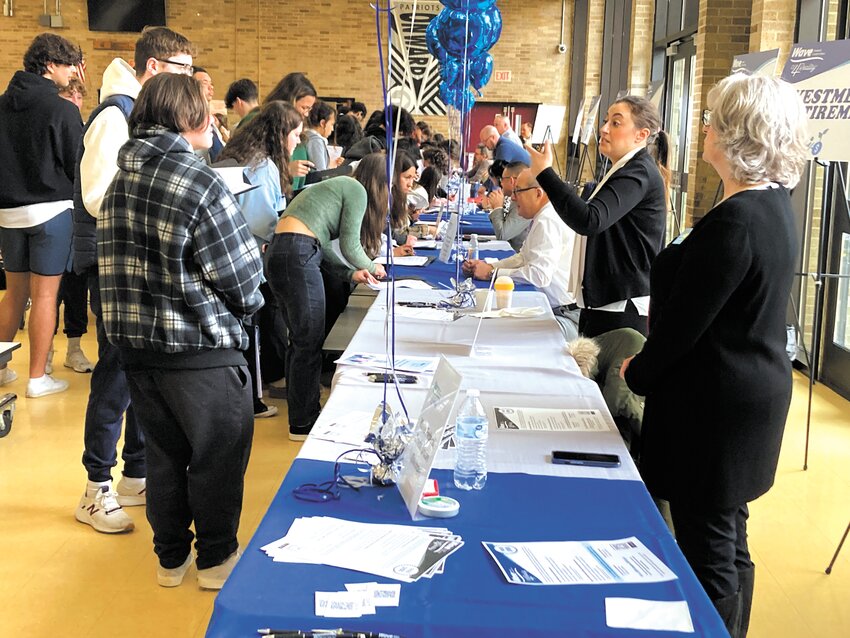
520, 190
185, 67
706, 117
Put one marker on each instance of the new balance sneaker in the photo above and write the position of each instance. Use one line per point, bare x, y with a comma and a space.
100, 509
76, 359
44, 385
214, 577
173, 577
131, 491
7, 375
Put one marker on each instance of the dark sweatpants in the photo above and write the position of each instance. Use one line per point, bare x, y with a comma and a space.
198, 427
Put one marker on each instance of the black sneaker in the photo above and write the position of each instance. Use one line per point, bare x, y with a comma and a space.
299, 432
263, 411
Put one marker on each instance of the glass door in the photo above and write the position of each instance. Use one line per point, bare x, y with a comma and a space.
835, 365
678, 116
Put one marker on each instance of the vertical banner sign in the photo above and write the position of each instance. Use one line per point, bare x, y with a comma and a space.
761, 63
415, 78
820, 71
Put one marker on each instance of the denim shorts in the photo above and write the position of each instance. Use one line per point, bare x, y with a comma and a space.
44, 249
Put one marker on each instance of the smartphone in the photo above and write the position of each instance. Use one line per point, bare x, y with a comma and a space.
585, 458
386, 377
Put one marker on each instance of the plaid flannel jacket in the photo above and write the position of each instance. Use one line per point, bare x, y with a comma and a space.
179, 269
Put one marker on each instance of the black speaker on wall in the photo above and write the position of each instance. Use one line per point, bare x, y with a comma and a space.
125, 15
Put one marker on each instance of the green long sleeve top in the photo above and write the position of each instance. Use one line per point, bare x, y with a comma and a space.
334, 209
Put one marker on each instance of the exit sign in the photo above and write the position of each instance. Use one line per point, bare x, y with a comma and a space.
502, 76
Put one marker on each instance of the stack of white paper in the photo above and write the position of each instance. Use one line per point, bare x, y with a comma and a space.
401, 552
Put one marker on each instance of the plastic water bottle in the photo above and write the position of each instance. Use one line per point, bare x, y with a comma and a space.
471, 434
472, 253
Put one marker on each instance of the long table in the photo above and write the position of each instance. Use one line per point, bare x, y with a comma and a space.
516, 362
473, 222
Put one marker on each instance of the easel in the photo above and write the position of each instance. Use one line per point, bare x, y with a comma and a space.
547, 137
812, 358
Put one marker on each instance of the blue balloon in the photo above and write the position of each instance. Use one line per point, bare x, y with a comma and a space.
475, 5
461, 37
491, 25
480, 70
432, 39
452, 72
447, 93
459, 97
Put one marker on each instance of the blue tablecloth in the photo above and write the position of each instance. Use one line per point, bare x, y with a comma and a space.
437, 272
471, 599
477, 222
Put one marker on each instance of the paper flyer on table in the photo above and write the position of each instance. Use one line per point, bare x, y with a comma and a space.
404, 260
351, 428
624, 560
401, 552
419, 365
652, 615
550, 420
417, 284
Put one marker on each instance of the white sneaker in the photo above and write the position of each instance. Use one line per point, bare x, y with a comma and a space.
131, 491
77, 361
48, 365
42, 386
102, 511
7, 375
214, 577
173, 577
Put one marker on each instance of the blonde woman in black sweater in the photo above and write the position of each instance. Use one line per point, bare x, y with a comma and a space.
714, 371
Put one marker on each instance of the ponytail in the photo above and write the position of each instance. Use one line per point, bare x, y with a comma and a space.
661, 143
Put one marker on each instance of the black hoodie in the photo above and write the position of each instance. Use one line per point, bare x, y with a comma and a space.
39, 136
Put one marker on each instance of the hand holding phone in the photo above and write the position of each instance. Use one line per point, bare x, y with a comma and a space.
592, 459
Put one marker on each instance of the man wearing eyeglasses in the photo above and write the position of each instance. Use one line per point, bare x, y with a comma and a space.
158, 50
507, 222
545, 256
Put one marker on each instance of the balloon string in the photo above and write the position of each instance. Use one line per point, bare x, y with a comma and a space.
389, 317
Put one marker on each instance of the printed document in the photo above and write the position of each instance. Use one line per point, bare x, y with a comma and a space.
625, 560
550, 420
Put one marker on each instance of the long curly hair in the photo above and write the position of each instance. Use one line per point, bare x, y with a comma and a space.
264, 137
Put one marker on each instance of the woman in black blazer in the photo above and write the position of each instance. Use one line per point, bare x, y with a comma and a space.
623, 223
714, 371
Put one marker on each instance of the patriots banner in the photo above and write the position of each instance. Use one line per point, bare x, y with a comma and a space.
414, 81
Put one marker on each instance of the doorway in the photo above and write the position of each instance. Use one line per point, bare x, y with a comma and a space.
678, 115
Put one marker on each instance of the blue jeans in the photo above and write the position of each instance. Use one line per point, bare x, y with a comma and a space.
294, 275
109, 401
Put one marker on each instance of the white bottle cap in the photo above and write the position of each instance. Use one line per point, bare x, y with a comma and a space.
438, 506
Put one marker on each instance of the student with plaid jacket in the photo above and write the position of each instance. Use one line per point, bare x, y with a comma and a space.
179, 273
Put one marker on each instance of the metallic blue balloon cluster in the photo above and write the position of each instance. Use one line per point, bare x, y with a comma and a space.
460, 37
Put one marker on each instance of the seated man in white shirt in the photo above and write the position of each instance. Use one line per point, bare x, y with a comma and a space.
507, 222
545, 257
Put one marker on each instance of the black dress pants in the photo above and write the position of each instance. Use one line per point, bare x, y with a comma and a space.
714, 541
198, 427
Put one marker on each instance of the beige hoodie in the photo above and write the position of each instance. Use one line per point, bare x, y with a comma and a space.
106, 135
